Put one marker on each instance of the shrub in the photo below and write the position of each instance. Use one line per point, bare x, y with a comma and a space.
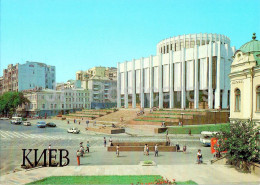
241, 143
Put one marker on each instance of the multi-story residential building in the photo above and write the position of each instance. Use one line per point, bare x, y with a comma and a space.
31, 75
101, 82
1, 85
10, 78
51, 102
188, 71
102, 92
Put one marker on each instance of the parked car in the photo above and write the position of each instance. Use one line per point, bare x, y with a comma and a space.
27, 123
41, 124
205, 137
73, 130
4, 118
51, 124
16, 120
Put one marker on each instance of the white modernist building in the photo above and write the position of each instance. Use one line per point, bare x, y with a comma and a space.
188, 71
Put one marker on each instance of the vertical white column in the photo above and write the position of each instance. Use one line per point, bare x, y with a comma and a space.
171, 81
183, 84
142, 82
125, 85
200, 39
118, 86
151, 82
160, 83
196, 82
133, 85
217, 91
210, 90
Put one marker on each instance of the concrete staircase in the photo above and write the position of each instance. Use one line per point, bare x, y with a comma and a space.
172, 117
88, 114
127, 114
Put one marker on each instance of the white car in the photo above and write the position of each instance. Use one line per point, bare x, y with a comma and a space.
4, 118
206, 136
27, 123
73, 130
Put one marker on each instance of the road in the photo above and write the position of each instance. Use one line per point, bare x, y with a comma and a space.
14, 138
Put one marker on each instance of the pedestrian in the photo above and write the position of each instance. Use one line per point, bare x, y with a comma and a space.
78, 157
147, 150
117, 150
179, 123
49, 148
190, 132
94, 124
145, 146
184, 149
177, 147
74, 120
81, 151
68, 122
156, 151
105, 142
87, 122
82, 119
199, 157
151, 110
79, 122
110, 141
80, 144
87, 147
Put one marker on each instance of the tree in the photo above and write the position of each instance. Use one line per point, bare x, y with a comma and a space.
241, 143
9, 102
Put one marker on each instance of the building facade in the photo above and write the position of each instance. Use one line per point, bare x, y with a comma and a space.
188, 71
31, 75
52, 102
102, 92
245, 82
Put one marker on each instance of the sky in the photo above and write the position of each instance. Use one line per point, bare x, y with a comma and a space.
80, 34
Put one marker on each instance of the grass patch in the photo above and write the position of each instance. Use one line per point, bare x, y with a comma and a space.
148, 162
149, 120
161, 117
170, 113
197, 129
113, 179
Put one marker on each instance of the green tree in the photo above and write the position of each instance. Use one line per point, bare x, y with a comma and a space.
241, 143
9, 102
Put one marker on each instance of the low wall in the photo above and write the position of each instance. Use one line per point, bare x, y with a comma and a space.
141, 148
107, 130
139, 143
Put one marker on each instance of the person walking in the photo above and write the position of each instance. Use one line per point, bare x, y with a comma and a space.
147, 150
110, 141
78, 157
117, 150
74, 120
105, 142
87, 122
156, 151
87, 147
68, 122
145, 146
199, 157
184, 149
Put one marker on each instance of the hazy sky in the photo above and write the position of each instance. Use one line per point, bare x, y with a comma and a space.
79, 34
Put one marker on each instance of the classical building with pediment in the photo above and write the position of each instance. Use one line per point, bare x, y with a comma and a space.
245, 82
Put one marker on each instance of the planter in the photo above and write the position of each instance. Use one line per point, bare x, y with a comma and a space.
147, 163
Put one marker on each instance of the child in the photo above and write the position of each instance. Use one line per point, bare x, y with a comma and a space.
199, 157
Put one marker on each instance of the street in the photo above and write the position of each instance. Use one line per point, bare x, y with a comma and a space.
14, 138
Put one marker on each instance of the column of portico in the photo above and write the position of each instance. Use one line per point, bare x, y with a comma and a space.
160, 83
125, 85
133, 85
171, 80
196, 82
118, 86
183, 84
142, 82
151, 82
210, 90
217, 91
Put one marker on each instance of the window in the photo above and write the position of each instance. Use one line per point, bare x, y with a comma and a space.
237, 100
258, 98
